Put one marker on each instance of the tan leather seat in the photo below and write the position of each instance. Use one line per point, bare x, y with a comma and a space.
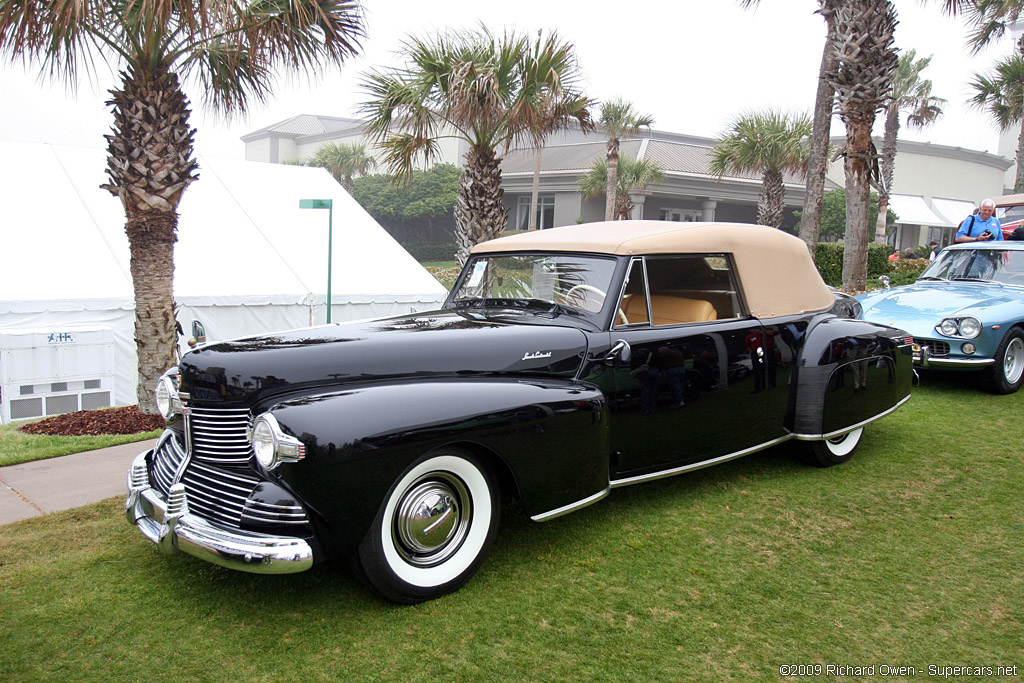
672, 310
669, 310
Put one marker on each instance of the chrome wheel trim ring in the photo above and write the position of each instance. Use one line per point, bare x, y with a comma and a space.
432, 519
1013, 361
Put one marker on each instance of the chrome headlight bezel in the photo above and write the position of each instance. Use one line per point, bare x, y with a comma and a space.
168, 402
271, 445
960, 327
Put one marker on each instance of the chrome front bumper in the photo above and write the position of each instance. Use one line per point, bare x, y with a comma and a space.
167, 523
923, 358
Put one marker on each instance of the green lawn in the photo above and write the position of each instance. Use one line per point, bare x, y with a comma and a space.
17, 447
910, 554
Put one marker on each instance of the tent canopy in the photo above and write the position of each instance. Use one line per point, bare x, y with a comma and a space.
248, 260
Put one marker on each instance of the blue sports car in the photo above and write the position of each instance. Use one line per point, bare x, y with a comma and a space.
965, 312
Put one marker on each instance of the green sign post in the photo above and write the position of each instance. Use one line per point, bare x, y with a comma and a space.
329, 205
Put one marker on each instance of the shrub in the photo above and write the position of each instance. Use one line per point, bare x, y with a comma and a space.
444, 251
829, 261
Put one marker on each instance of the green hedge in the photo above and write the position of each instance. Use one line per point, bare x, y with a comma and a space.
829, 260
444, 251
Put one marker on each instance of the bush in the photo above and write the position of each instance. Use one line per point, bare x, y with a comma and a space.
443, 251
906, 271
829, 261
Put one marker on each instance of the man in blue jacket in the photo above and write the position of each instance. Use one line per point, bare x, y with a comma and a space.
981, 228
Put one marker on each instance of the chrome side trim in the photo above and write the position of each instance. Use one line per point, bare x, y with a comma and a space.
616, 483
169, 524
844, 430
571, 507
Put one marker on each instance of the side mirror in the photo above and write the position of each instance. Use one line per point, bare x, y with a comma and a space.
620, 349
198, 334
884, 279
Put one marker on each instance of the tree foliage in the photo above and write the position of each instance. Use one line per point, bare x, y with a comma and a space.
428, 194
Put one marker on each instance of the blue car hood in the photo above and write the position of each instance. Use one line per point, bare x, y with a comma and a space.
912, 306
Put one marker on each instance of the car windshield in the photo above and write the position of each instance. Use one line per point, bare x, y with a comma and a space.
546, 284
993, 265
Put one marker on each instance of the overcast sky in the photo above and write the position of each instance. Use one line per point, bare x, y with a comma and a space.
693, 65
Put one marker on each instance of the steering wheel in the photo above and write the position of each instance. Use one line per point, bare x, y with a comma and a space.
573, 292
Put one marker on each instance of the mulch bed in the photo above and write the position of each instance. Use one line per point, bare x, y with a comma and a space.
122, 420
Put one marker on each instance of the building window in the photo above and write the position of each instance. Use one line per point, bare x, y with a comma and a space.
545, 213
681, 215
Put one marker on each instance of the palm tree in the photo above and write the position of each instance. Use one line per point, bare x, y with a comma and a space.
230, 50
817, 160
484, 90
913, 95
862, 80
1001, 93
770, 143
619, 120
633, 176
343, 161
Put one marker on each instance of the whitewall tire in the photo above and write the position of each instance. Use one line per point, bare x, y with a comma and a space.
433, 530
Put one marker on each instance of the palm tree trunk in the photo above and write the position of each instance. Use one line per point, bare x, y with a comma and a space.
858, 190
887, 167
1018, 183
610, 188
535, 192
773, 199
817, 162
151, 238
151, 121
480, 212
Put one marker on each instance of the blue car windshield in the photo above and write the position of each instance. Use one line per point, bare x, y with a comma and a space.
994, 265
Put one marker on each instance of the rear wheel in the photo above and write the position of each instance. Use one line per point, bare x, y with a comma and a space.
1007, 373
829, 452
433, 530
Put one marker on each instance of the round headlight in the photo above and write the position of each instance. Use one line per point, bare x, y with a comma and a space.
949, 328
167, 401
970, 328
264, 442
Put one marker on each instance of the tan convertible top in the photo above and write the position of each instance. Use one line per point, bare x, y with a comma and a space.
774, 268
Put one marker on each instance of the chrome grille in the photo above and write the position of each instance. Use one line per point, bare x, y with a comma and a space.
167, 459
218, 480
938, 348
220, 435
216, 493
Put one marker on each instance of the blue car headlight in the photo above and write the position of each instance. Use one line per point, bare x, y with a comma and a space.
966, 327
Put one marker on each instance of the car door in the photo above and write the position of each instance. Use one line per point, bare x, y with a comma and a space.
698, 374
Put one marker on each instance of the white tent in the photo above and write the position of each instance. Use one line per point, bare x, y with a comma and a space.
247, 260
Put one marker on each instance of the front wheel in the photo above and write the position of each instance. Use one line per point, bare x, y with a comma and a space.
829, 452
434, 529
1007, 372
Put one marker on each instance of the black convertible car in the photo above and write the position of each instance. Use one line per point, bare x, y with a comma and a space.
565, 363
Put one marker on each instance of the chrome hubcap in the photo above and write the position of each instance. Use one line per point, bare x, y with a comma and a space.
432, 519
1013, 361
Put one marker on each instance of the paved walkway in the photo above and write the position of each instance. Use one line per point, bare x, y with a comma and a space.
37, 488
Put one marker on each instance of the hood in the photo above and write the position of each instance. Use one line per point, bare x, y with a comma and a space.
434, 344
911, 306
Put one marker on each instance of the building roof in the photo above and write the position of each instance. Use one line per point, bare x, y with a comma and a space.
672, 156
774, 267
304, 125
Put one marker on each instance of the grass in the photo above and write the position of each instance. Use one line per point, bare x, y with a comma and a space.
910, 554
18, 447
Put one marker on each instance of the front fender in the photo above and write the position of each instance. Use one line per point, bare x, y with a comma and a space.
550, 435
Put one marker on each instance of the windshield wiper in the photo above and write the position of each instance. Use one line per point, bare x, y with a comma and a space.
928, 277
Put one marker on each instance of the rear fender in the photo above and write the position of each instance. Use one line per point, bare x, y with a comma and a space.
851, 372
